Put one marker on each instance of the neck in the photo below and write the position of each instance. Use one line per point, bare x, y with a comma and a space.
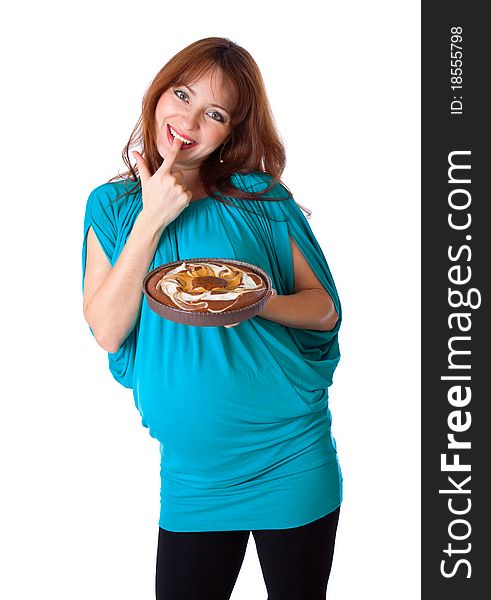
192, 182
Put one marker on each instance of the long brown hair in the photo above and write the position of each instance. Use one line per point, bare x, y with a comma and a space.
253, 144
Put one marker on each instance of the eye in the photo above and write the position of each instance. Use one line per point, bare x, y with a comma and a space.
220, 118
177, 92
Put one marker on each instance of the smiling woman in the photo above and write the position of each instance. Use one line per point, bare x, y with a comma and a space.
212, 86
241, 413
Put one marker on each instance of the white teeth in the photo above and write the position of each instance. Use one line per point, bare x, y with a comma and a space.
175, 134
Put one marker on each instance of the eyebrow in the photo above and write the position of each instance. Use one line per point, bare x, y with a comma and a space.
212, 104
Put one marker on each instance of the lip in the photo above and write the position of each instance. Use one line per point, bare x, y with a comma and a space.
183, 146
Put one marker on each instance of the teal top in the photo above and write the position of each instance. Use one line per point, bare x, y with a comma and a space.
241, 413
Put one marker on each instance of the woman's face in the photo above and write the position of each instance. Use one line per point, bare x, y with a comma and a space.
197, 113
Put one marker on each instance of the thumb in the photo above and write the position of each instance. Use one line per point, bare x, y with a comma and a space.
141, 163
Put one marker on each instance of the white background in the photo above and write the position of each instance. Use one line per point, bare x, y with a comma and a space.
80, 475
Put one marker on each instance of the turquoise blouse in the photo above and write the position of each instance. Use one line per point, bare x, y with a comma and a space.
241, 413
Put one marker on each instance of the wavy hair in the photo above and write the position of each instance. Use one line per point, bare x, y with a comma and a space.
253, 144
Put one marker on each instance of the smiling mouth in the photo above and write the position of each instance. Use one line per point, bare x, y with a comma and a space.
186, 143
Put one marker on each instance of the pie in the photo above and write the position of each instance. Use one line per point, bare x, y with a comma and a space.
206, 287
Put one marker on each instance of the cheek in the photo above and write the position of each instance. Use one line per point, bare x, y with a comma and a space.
164, 106
220, 133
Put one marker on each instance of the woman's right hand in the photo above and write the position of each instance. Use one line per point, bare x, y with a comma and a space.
163, 195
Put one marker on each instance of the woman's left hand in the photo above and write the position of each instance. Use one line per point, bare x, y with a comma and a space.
273, 293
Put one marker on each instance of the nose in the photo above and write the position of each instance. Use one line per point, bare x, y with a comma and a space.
190, 120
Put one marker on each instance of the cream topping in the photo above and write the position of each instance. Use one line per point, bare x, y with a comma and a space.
177, 284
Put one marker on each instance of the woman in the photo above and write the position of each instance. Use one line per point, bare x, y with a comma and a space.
241, 411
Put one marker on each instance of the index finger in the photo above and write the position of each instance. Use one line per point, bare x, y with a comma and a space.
168, 161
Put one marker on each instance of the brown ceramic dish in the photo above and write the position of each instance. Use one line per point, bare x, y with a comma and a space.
203, 291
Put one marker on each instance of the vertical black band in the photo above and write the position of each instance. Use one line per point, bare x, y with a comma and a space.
456, 331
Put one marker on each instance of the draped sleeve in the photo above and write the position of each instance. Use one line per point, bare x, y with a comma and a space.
112, 219
321, 345
320, 349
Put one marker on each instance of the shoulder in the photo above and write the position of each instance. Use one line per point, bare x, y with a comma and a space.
257, 181
113, 198
278, 202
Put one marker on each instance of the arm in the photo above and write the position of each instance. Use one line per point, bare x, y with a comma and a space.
112, 296
309, 307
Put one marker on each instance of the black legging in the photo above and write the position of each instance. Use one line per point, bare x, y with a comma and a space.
205, 565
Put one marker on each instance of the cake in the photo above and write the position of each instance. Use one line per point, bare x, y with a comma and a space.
206, 288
